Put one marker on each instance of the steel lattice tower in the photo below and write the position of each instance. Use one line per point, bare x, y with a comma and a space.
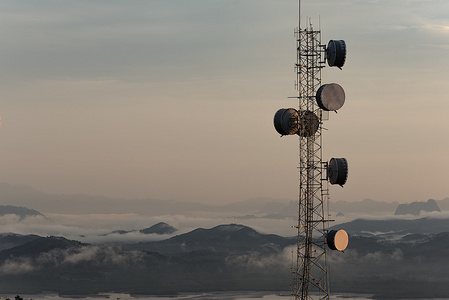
310, 278
310, 273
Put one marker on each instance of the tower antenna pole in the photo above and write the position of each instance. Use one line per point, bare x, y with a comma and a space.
310, 279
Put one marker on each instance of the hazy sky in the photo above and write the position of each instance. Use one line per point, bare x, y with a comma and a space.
173, 99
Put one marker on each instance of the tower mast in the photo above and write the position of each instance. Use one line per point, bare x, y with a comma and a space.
310, 279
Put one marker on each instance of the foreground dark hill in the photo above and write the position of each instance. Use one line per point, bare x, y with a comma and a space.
11, 240
227, 257
414, 266
37, 246
223, 258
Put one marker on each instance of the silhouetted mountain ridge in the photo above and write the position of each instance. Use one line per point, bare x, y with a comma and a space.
20, 211
364, 206
415, 208
222, 238
425, 225
39, 245
11, 240
159, 228
226, 257
69, 267
22, 195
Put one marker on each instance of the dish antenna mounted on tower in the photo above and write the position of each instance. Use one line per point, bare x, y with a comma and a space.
310, 278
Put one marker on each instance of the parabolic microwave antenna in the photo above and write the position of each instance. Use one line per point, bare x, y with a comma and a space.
286, 121
337, 239
337, 171
330, 97
309, 274
289, 121
336, 53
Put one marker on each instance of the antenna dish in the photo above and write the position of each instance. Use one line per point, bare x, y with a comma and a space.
330, 97
286, 121
337, 171
308, 123
336, 53
337, 239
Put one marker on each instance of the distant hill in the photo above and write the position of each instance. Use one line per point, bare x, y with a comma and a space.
262, 207
227, 257
82, 204
38, 246
289, 209
415, 208
223, 238
363, 207
22, 212
159, 228
394, 226
11, 240
443, 204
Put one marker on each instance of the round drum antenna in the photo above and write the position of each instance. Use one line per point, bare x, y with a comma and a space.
330, 97
337, 171
337, 239
336, 53
286, 121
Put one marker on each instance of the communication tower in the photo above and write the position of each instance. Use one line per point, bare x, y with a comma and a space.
310, 279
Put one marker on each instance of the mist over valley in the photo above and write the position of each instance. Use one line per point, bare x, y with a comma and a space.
240, 246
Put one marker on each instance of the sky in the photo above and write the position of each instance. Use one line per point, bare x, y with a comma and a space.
172, 99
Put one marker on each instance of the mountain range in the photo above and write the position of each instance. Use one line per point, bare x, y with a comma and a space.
21, 195
225, 257
392, 227
220, 239
401, 257
22, 212
159, 228
213, 259
11, 240
415, 208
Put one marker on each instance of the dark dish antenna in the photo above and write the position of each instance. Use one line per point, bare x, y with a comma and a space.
330, 96
310, 278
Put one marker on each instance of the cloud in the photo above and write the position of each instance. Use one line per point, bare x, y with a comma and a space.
436, 28
102, 255
93, 255
97, 228
353, 257
377, 257
17, 267
428, 28
256, 260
